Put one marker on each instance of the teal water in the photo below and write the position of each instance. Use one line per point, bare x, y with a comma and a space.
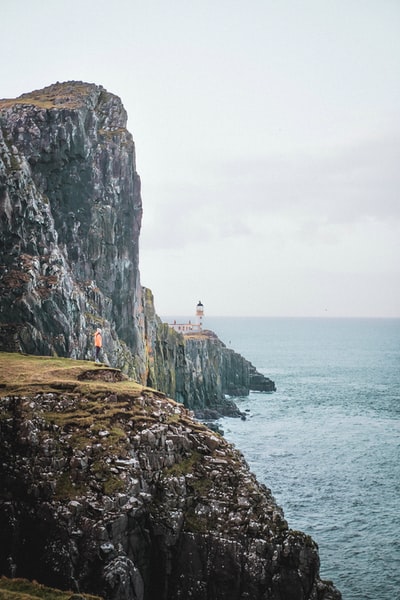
327, 442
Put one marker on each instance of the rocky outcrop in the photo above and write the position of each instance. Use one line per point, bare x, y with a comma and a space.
70, 210
198, 369
230, 375
106, 485
70, 218
117, 491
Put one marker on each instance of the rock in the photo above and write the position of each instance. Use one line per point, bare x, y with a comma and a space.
145, 503
71, 215
187, 520
123, 580
70, 218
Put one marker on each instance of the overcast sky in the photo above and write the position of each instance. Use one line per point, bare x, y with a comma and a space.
267, 140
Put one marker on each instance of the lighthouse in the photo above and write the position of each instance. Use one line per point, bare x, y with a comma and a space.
199, 315
188, 328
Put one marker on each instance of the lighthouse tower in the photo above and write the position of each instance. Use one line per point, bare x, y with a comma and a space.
199, 315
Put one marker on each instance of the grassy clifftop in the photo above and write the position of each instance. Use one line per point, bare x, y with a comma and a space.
26, 374
21, 589
64, 95
111, 487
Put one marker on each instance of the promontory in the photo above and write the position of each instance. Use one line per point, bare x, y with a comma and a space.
108, 483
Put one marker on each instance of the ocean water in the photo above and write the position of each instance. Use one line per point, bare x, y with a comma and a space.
327, 442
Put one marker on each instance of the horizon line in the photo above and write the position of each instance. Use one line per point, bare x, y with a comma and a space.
325, 316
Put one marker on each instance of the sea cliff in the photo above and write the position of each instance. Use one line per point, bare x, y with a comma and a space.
70, 218
111, 488
108, 484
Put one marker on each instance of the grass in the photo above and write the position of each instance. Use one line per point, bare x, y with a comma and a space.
55, 96
199, 335
87, 410
184, 467
40, 103
22, 589
66, 489
22, 374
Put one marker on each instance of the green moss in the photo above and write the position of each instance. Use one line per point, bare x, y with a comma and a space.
184, 467
174, 418
15, 164
201, 486
79, 441
66, 489
112, 485
110, 482
22, 589
195, 524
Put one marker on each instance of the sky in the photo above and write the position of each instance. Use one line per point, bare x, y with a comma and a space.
267, 138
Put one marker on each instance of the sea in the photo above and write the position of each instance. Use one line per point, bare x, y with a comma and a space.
327, 442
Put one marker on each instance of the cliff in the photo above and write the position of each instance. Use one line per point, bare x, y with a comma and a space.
108, 486
70, 218
111, 488
70, 221
202, 372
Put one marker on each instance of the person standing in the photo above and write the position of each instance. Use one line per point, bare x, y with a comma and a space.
98, 342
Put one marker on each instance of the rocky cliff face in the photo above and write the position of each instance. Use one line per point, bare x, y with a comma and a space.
70, 220
111, 488
217, 372
105, 485
201, 371
70, 217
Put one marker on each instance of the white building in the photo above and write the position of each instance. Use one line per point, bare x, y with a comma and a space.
190, 327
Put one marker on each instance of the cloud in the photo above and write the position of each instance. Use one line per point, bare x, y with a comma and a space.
343, 185
186, 214
314, 194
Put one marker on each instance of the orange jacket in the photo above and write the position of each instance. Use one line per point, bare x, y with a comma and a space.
97, 339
